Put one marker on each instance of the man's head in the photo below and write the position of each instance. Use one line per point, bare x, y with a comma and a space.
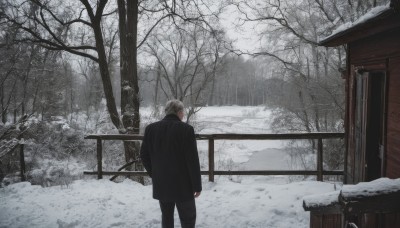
175, 107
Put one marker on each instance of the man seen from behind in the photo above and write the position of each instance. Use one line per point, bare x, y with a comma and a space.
169, 154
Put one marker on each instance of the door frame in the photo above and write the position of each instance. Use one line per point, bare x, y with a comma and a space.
364, 72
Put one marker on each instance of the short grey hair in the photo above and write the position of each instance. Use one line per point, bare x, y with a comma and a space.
173, 107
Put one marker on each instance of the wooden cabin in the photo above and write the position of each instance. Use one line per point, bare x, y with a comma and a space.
372, 122
372, 96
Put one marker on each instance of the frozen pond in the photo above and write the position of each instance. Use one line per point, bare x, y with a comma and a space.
268, 159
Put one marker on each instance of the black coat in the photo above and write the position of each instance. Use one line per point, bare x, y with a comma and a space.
169, 154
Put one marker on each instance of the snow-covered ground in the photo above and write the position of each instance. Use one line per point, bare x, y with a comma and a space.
255, 201
102, 203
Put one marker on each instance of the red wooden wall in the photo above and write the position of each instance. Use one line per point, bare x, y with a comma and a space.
382, 52
393, 119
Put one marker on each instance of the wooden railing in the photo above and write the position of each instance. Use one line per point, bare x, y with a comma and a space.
211, 164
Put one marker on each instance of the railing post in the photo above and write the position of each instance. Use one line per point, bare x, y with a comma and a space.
22, 161
211, 160
319, 160
99, 159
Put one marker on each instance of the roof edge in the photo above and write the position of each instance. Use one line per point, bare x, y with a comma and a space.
333, 39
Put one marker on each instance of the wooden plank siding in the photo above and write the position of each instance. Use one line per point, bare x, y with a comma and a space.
373, 220
325, 220
391, 220
375, 49
378, 52
351, 128
379, 211
393, 120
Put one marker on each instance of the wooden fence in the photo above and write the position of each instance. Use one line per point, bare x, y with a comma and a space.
211, 154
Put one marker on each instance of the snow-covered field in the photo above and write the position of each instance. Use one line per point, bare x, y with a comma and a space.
244, 202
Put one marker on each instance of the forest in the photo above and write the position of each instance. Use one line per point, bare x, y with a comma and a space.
79, 67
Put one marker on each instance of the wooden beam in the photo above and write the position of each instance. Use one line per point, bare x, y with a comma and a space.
115, 137
244, 172
123, 167
276, 172
273, 136
331, 209
384, 203
121, 173
211, 160
319, 161
99, 159
316, 135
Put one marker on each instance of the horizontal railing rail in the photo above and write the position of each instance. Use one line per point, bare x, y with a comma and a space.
284, 136
319, 136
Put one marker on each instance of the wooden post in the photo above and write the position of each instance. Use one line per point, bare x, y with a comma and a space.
319, 161
99, 159
211, 160
22, 161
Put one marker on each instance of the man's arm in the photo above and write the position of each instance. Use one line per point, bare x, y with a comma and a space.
144, 151
192, 161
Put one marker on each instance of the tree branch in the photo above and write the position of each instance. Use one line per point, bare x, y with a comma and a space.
151, 29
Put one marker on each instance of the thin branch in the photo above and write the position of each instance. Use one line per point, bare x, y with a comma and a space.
151, 29
79, 19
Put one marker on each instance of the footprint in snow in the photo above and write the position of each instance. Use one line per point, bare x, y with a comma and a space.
121, 203
277, 212
62, 224
236, 192
117, 214
117, 224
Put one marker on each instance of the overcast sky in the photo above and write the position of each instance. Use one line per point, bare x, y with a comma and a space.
244, 35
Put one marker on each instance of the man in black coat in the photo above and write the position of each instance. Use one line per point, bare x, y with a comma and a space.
169, 154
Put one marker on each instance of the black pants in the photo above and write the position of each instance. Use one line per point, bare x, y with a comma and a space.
186, 211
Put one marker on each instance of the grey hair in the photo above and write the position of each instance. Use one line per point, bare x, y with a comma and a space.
173, 107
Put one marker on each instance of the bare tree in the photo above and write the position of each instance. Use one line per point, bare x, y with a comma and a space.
310, 75
78, 27
187, 59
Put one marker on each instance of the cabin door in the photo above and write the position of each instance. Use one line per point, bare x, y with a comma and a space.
369, 124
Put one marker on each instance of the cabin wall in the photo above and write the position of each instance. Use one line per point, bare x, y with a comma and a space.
367, 220
318, 220
393, 120
380, 220
379, 52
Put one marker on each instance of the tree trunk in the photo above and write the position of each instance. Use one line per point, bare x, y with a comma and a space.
156, 107
15, 103
105, 75
3, 108
132, 49
236, 94
128, 18
211, 97
25, 80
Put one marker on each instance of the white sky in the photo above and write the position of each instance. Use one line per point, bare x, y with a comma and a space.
244, 35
